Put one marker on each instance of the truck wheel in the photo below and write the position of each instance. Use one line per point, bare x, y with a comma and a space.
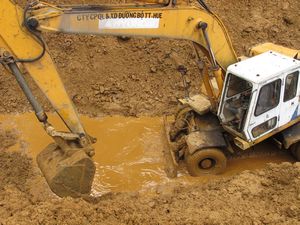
205, 161
295, 149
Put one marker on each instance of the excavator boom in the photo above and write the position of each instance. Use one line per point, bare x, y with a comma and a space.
174, 22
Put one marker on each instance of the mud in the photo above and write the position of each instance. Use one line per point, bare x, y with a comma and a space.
129, 151
131, 187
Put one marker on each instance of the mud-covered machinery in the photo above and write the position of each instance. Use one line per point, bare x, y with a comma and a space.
243, 103
260, 100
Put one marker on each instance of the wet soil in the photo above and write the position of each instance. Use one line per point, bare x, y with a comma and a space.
132, 188
129, 151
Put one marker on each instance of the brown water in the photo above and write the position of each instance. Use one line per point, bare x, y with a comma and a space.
128, 151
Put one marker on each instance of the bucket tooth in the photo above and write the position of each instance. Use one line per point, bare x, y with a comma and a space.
67, 175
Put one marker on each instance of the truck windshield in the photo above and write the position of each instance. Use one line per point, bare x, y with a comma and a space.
236, 102
237, 85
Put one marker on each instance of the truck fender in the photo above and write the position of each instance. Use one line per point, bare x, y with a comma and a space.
291, 135
205, 139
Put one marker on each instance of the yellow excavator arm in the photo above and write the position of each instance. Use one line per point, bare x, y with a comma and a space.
22, 47
174, 22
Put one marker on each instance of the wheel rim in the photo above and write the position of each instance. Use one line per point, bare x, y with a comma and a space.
207, 163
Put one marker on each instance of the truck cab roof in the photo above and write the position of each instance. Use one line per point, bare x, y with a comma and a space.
263, 67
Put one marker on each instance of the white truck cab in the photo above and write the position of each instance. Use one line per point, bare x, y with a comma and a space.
260, 95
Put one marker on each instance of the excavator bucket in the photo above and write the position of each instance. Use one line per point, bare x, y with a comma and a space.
67, 174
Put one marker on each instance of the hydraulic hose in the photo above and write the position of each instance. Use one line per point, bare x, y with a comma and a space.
204, 5
36, 35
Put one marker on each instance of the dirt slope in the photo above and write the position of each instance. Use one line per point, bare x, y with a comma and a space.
269, 196
105, 75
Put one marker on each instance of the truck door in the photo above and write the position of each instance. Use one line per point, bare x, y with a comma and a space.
289, 109
266, 111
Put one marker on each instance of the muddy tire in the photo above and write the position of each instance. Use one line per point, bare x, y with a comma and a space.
295, 149
205, 162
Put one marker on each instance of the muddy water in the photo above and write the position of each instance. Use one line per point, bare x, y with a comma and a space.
128, 151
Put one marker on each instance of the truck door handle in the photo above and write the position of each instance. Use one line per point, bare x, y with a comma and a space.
292, 103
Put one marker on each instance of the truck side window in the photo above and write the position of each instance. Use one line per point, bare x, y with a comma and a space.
264, 127
291, 84
268, 98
